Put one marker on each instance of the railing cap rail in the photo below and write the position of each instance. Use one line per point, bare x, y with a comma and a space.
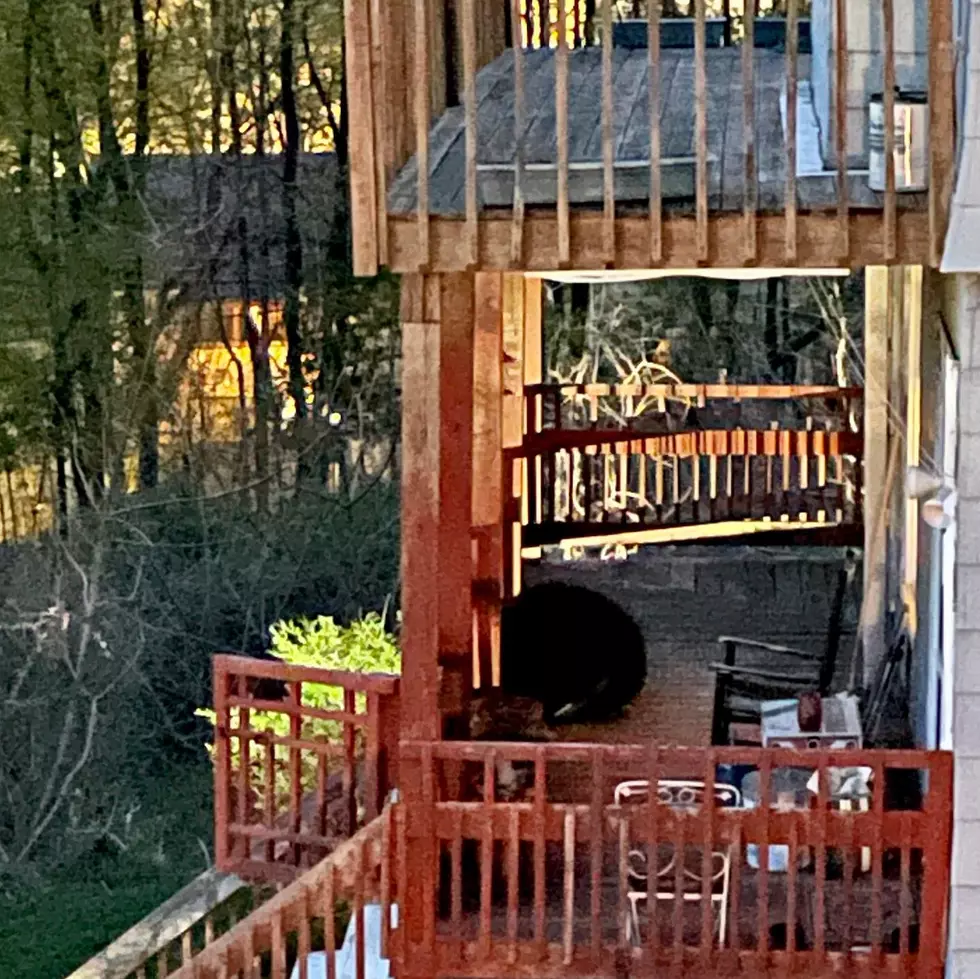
162, 926
639, 753
376, 683
343, 860
734, 392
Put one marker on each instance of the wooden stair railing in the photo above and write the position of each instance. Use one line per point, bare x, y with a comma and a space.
178, 929
301, 920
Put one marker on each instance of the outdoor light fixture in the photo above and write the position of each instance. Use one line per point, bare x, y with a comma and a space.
937, 493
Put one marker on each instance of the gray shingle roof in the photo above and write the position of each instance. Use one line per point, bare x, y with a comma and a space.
198, 207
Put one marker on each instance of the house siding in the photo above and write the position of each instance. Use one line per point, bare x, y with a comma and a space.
965, 908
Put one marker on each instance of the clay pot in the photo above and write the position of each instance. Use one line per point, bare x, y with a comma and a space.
810, 712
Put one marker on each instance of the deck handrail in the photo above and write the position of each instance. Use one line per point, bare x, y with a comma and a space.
356, 872
700, 392
278, 805
413, 65
173, 922
872, 891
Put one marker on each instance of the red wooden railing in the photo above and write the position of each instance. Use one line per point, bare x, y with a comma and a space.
526, 872
299, 930
293, 777
542, 120
599, 458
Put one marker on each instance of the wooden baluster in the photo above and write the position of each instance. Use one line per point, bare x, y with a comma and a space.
679, 843
707, 817
538, 817
849, 910
659, 484
877, 856
295, 766
701, 129
304, 942
322, 778
387, 844
622, 878
513, 881
186, 947
888, 24
677, 482
561, 135
517, 227
936, 857
608, 146
654, 98
597, 823
734, 941
840, 130
568, 932
222, 764
163, 963
360, 946
792, 886
905, 893
485, 940
792, 74
278, 952
653, 852
329, 907
467, 28
750, 188
422, 83
350, 763
765, 809
820, 856
373, 792
269, 792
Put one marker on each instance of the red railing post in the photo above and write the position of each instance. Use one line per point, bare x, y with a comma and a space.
222, 764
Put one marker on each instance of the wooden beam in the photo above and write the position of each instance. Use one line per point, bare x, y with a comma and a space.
488, 471
420, 506
818, 241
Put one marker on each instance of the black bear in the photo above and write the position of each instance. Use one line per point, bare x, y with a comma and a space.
574, 650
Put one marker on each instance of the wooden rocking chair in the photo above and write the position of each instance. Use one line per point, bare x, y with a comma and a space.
785, 672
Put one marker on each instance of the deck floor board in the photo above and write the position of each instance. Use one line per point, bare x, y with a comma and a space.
496, 137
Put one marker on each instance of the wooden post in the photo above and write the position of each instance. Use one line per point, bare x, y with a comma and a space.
454, 582
420, 506
877, 300
912, 285
488, 485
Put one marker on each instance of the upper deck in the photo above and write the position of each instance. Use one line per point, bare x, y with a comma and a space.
502, 136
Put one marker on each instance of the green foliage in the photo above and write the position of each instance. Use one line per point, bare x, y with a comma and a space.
365, 646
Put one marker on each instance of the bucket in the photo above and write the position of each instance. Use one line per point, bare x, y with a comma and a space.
911, 148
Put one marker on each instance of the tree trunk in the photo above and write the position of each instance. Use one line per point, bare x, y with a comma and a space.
293, 271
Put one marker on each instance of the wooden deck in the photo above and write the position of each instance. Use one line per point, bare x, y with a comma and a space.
497, 150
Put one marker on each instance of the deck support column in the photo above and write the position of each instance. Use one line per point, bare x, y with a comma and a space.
437, 611
488, 477
437, 439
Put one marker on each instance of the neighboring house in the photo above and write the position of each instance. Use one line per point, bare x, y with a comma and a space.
213, 237
496, 145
